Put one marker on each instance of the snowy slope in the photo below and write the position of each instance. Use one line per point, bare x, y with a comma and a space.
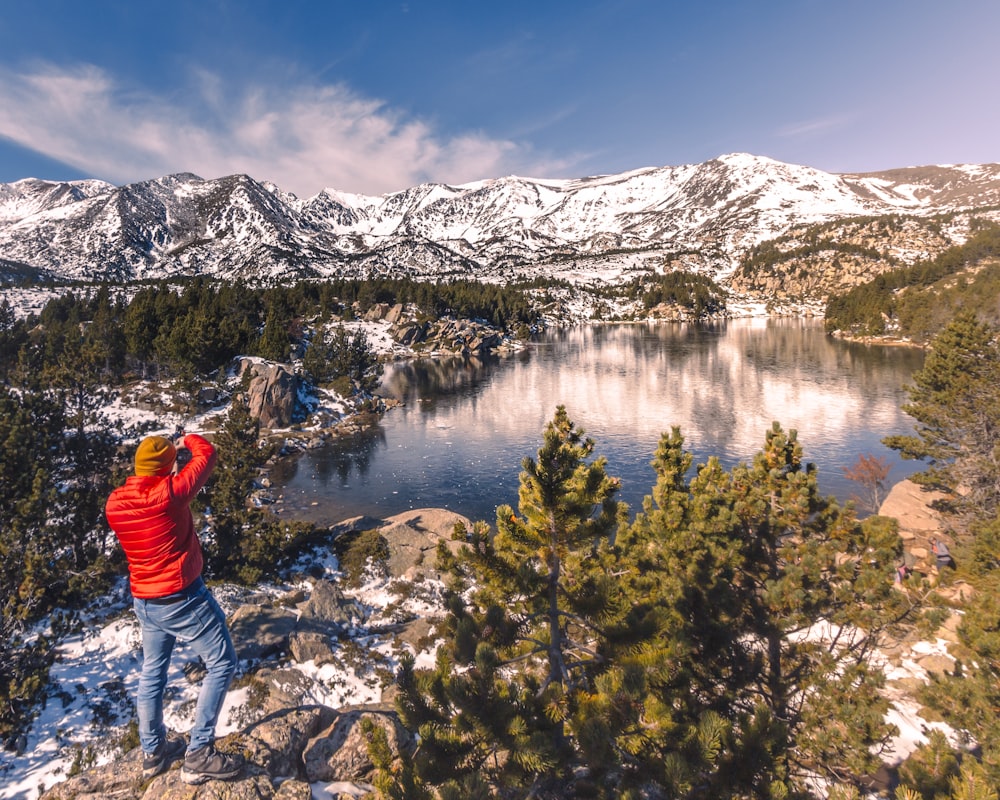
238, 227
30, 196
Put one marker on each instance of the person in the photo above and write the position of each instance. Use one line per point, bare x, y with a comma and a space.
151, 516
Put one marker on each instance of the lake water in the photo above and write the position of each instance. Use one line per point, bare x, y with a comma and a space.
466, 424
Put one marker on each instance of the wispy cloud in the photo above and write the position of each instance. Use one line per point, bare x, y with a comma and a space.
302, 137
814, 126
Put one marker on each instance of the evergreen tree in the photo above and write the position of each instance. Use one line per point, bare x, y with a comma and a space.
525, 618
246, 543
140, 326
685, 618
770, 601
357, 360
318, 358
31, 562
954, 402
341, 354
12, 337
274, 343
79, 378
970, 696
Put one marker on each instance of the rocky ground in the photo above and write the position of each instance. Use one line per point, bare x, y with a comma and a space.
317, 657
912, 506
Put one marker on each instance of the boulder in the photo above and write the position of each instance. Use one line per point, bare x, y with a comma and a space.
937, 663
377, 312
277, 767
208, 395
413, 538
328, 611
912, 507
272, 394
311, 646
394, 314
911, 504
102, 783
956, 594
260, 631
276, 742
294, 790
340, 753
122, 780
409, 333
254, 784
283, 688
416, 632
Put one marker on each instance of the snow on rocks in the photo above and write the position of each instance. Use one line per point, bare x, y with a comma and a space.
90, 701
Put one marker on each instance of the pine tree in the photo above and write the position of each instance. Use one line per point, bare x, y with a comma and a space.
12, 337
140, 326
970, 696
771, 600
685, 618
318, 358
525, 620
274, 343
246, 544
31, 566
339, 354
953, 400
78, 379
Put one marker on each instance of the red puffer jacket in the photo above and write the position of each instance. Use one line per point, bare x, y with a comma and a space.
151, 517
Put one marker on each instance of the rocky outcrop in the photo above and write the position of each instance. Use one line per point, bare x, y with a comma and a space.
288, 730
340, 751
285, 752
464, 336
272, 393
307, 627
912, 506
383, 311
260, 631
412, 538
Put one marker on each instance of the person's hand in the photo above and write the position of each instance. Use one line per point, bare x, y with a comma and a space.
178, 438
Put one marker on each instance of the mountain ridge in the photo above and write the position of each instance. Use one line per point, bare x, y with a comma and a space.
236, 227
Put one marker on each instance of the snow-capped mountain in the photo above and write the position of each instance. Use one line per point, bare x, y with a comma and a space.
236, 227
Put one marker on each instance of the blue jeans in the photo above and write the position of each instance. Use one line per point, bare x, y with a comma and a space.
196, 620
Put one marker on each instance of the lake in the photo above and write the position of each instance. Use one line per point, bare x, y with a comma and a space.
465, 425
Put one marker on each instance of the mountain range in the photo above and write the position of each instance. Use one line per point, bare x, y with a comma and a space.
707, 216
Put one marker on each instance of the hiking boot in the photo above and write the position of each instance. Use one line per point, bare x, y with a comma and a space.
166, 752
207, 763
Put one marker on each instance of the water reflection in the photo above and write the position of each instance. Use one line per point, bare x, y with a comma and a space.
342, 458
430, 381
466, 424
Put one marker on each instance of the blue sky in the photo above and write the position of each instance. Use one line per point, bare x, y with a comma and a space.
374, 96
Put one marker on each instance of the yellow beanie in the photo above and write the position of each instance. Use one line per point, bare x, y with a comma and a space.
155, 456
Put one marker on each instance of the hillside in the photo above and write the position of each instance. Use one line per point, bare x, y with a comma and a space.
915, 302
815, 261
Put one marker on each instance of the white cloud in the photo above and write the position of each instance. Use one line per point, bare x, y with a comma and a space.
302, 137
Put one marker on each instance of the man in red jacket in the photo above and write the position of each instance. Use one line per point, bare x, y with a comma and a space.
151, 516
